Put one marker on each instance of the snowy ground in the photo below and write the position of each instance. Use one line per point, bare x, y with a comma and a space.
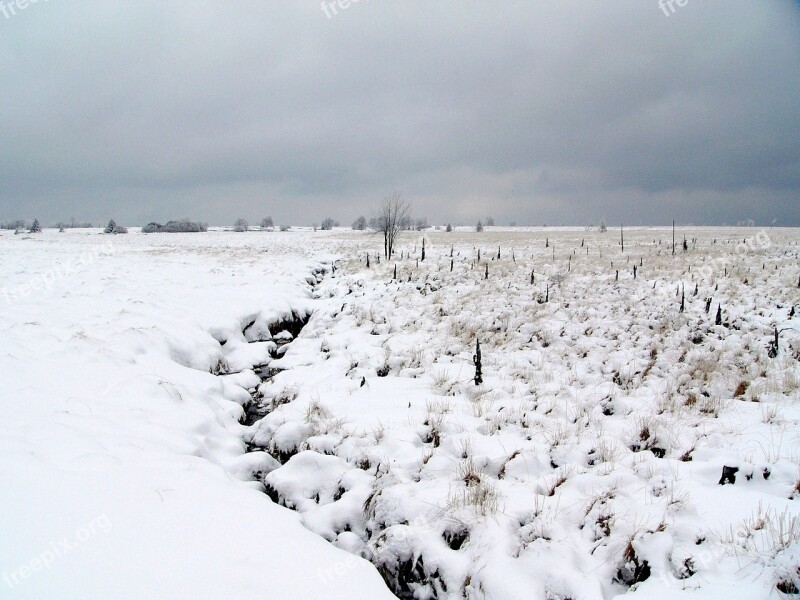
587, 464
123, 466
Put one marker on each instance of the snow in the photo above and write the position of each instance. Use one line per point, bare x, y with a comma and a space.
585, 466
125, 475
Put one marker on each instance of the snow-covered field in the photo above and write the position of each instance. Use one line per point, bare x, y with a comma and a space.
123, 466
149, 399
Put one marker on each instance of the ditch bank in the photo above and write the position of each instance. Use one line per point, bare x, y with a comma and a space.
402, 572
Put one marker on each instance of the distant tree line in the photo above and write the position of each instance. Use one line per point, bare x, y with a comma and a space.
404, 222
19, 224
408, 223
73, 224
266, 223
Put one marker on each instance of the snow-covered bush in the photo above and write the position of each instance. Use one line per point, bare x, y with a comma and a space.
183, 226
112, 227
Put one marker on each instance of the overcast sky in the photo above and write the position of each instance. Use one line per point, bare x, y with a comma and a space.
537, 112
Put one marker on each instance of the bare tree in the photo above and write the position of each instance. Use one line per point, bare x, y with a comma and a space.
393, 212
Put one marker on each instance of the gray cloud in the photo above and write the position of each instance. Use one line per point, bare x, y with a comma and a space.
563, 112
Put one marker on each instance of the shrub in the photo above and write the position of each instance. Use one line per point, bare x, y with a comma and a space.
267, 223
182, 226
241, 225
